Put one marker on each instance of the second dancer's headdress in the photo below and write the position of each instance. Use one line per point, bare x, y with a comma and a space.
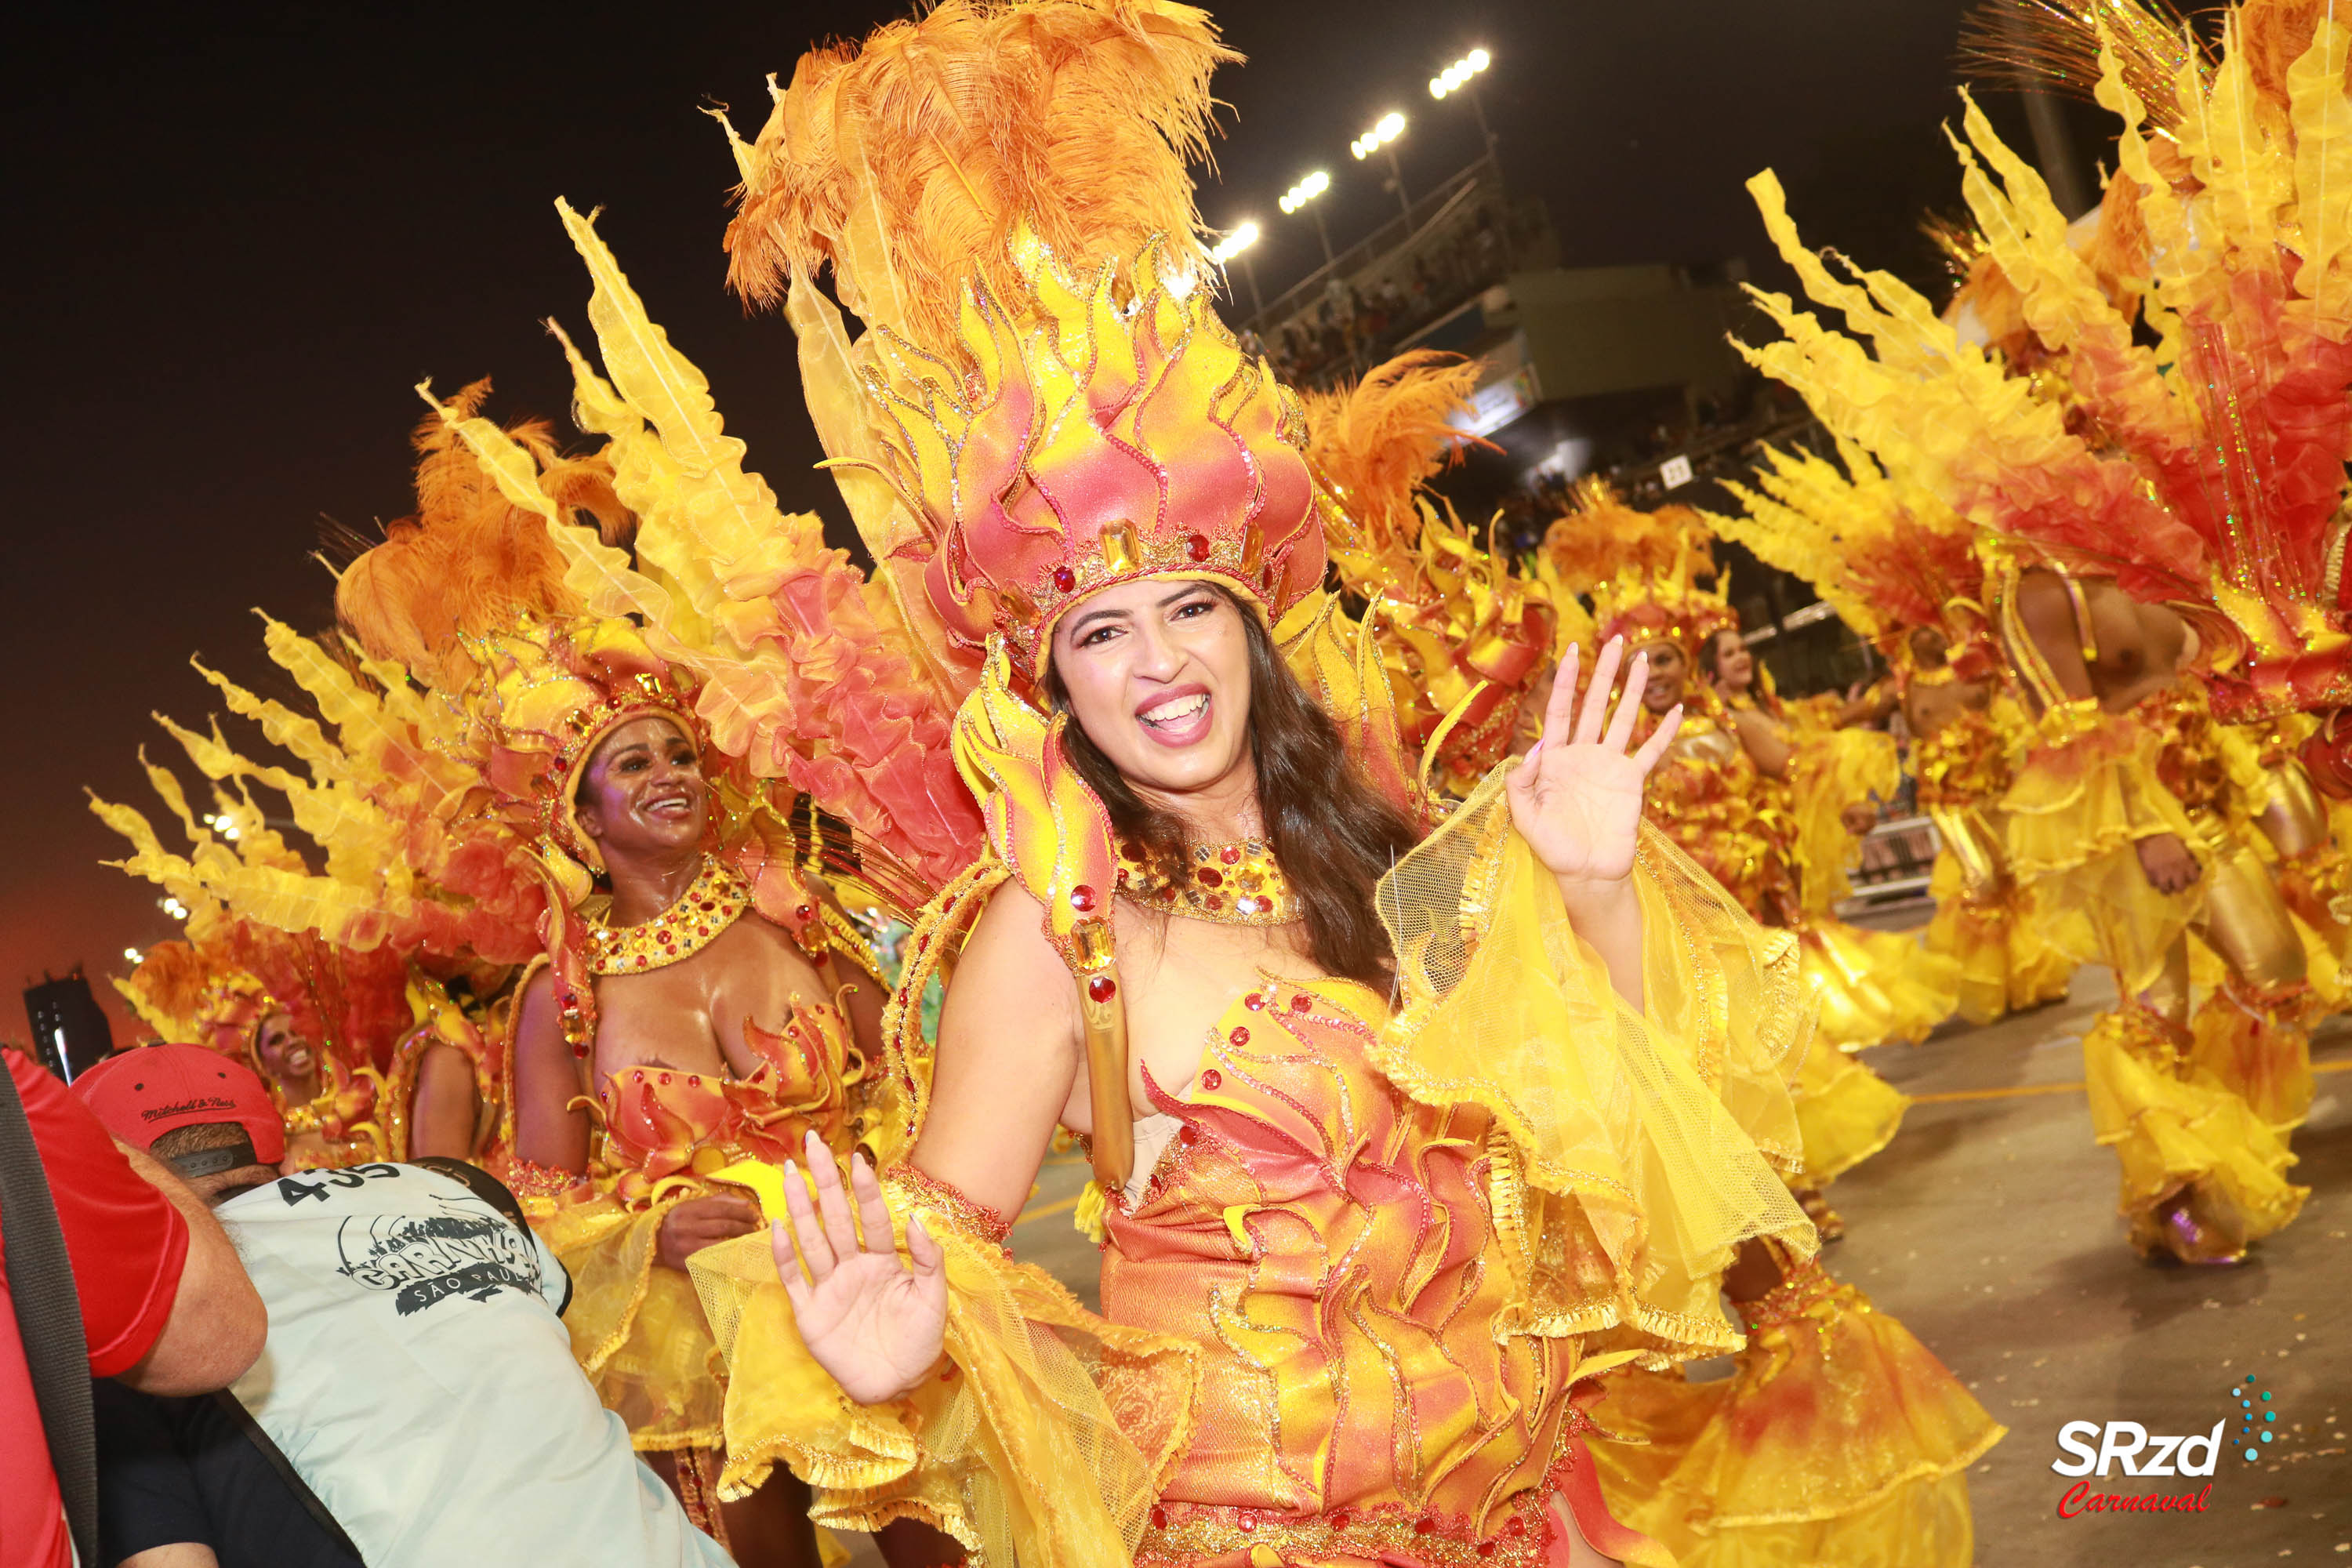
1641, 569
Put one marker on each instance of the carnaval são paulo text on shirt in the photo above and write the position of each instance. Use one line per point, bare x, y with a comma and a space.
2092, 1447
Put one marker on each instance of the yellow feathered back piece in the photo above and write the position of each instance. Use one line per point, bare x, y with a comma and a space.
469, 561
906, 163
1463, 631
1376, 442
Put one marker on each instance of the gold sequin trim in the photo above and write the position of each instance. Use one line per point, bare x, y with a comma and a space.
928, 1191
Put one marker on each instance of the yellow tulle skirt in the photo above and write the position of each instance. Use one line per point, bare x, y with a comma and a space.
1876, 987
2073, 820
1840, 1439
1846, 1112
2203, 1175
2007, 960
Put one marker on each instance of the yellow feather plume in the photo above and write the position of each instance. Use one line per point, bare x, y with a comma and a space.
906, 163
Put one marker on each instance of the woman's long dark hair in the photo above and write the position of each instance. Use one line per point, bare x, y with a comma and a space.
1333, 834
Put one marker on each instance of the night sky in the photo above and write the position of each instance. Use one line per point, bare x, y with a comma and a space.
237, 237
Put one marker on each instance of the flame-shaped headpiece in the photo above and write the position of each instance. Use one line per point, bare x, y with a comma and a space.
1085, 435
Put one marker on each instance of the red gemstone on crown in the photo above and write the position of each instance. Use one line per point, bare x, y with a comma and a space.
1211, 902
1300, 1002
1102, 988
1240, 1035
1213, 1081
1197, 546
1231, 855
1254, 1001
1209, 877
1065, 579
1082, 898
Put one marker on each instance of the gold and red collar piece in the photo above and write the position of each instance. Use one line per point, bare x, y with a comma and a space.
1231, 884
716, 900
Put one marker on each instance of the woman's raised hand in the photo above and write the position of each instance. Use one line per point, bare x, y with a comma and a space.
1577, 797
872, 1322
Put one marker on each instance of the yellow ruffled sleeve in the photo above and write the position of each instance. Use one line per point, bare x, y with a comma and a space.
1041, 1440
1831, 770
636, 1328
1657, 1134
2076, 814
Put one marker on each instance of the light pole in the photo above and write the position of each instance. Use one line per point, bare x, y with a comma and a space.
1463, 76
1381, 138
1303, 195
1237, 244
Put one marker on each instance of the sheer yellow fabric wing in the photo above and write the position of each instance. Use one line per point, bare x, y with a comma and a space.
1043, 1440
1658, 1132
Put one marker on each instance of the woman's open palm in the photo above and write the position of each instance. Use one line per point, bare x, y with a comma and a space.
874, 1323
1577, 797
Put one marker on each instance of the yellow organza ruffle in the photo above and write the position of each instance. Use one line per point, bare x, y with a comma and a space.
2076, 816
636, 1328
1830, 770
2007, 960
2261, 1055
1847, 1112
1876, 987
1042, 1440
1661, 1131
1840, 1439
2189, 1148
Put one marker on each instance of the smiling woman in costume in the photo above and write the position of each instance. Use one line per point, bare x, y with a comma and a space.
1399, 1135
687, 1009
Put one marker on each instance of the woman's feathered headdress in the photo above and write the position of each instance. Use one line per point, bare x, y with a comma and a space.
1640, 569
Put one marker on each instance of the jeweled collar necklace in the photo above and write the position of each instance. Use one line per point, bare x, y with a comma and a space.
713, 901
1232, 884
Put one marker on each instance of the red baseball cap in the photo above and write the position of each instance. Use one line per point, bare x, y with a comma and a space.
144, 1093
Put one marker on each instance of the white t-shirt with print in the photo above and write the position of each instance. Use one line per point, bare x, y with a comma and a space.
417, 1376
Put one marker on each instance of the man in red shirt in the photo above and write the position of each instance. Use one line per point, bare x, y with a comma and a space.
165, 1305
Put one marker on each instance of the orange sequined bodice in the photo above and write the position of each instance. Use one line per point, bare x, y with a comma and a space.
1709, 798
1332, 1248
661, 1122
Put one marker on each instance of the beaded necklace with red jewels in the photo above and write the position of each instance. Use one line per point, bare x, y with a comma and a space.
715, 900
1232, 884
